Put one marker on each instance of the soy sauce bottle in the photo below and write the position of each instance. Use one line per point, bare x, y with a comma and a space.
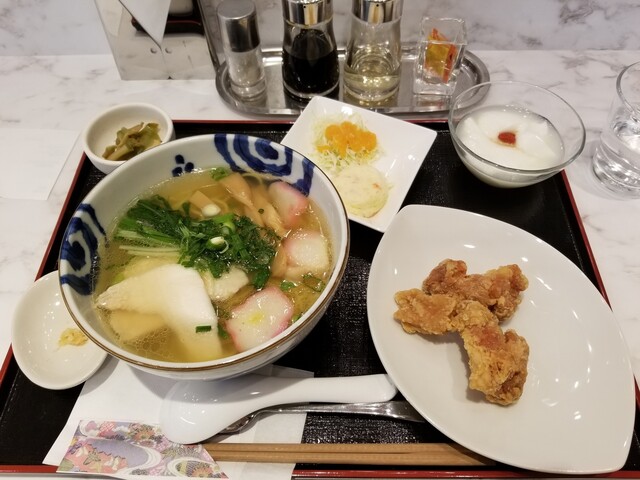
309, 53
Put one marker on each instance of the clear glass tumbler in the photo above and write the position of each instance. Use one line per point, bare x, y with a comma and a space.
439, 56
616, 162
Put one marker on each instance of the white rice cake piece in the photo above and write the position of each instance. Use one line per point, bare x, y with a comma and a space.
172, 291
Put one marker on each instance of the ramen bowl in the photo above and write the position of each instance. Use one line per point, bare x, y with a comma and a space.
514, 134
88, 229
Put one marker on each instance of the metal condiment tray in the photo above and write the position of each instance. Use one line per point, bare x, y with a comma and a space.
276, 102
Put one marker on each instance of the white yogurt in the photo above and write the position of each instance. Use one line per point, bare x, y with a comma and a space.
537, 143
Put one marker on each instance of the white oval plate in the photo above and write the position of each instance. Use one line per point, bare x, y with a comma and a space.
576, 414
404, 147
39, 319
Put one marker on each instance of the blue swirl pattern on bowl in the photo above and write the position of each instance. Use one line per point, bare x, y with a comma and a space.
80, 248
238, 153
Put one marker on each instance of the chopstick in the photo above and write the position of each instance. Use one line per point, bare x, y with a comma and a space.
418, 454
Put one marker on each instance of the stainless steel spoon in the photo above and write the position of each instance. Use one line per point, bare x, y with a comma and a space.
399, 410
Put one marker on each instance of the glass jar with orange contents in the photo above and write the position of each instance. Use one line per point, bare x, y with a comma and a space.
440, 54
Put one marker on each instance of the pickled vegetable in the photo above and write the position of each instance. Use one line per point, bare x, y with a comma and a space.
72, 336
131, 141
440, 55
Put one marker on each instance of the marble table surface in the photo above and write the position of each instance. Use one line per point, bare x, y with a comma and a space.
50, 99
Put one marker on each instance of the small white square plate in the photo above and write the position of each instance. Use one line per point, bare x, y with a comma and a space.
403, 147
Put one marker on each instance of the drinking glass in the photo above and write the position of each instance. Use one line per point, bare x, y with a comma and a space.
440, 53
616, 161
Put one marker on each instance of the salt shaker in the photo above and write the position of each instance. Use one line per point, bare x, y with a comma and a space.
309, 52
241, 46
374, 54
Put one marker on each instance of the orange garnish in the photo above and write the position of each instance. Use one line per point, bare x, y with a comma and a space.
439, 57
347, 136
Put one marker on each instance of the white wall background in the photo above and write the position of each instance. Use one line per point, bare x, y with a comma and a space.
72, 27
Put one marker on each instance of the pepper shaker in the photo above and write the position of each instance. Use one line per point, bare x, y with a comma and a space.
309, 52
241, 46
374, 52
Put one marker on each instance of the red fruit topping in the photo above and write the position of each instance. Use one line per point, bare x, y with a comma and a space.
508, 138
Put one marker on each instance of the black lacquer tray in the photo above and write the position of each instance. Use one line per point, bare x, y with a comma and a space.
340, 345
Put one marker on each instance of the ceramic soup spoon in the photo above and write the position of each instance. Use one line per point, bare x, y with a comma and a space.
193, 411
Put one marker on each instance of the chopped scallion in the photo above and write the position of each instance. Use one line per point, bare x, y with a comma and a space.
219, 173
313, 282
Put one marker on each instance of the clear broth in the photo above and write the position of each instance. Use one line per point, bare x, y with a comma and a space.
164, 343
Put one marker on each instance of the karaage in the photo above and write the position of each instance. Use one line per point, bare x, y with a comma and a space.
498, 289
473, 305
497, 360
422, 313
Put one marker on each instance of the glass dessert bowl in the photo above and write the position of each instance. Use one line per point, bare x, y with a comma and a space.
518, 134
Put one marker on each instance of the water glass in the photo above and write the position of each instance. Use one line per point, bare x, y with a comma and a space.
616, 161
440, 53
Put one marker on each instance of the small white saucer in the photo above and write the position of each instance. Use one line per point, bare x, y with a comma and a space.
39, 319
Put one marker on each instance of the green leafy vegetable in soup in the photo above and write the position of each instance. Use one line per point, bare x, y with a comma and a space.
213, 244
210, 264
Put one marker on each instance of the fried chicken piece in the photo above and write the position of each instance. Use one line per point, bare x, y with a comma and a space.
422, 313
497, 360
498, 289
473, 305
